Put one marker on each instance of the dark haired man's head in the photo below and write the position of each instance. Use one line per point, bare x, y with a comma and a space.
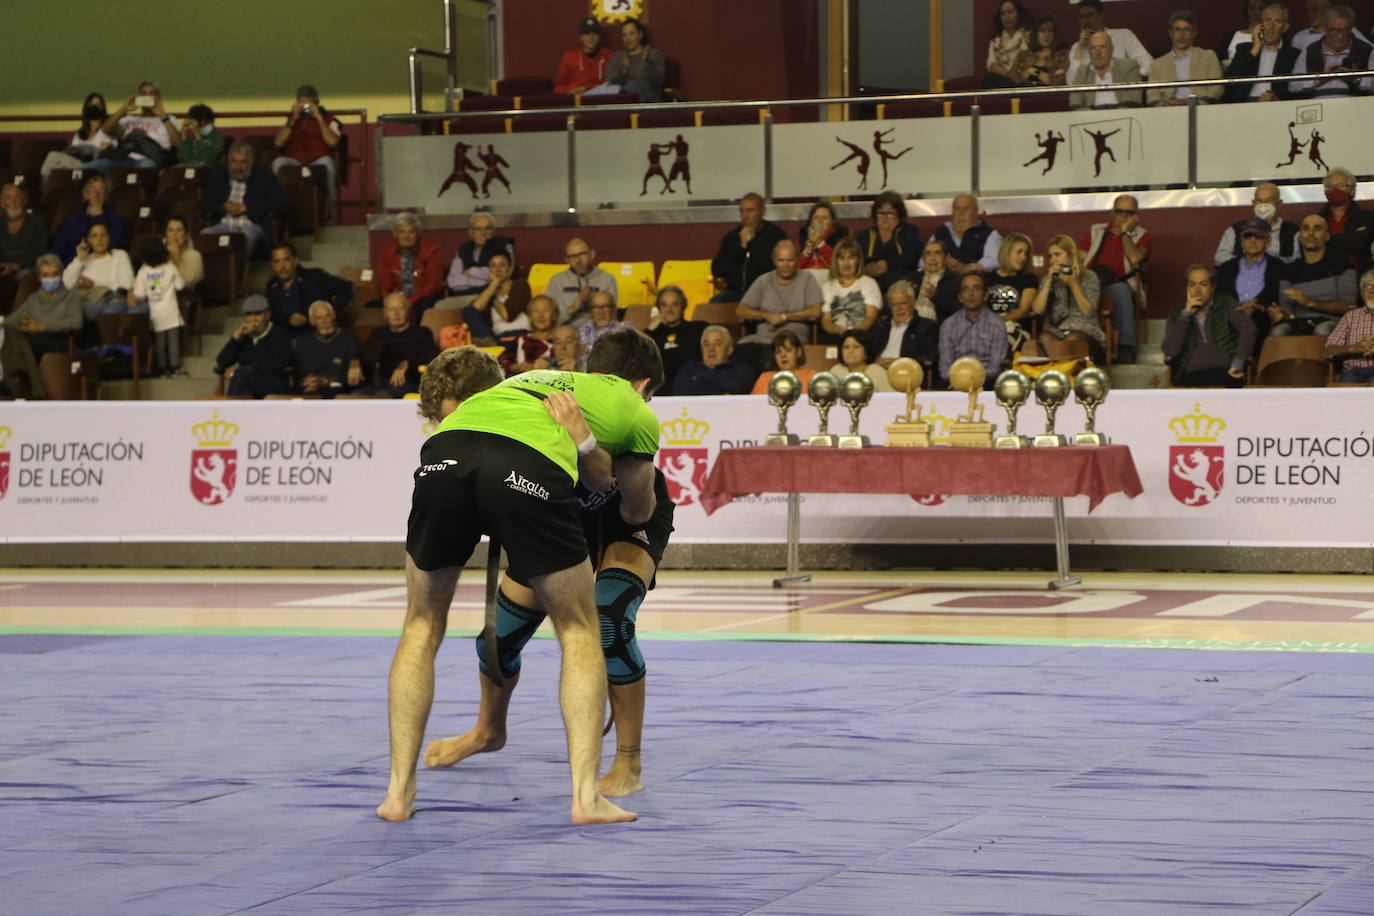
629, 354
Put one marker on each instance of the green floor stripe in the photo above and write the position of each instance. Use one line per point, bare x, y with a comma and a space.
673, 636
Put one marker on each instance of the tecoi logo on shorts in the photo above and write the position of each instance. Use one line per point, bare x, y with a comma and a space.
521, 484
426, 469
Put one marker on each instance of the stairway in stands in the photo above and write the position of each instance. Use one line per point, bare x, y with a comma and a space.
333, 248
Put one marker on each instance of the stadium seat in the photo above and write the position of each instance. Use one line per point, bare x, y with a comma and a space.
226, 266
175, 176
264, 148
821, 356
634, 281
538, 122
914, 108
135, 332
666, 117
305, 191
724, 117
59, 204
540, 275
437, 319
522, 85
546, 100
1293, 362
721, 313
364, 291
639, 316
692, 277
146, 179
491, 124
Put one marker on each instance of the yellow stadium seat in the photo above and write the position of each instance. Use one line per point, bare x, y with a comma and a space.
634, 281
540, 275
694, 278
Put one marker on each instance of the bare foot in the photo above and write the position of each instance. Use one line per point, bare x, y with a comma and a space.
601, 812
398, 807
621, 779
445, 752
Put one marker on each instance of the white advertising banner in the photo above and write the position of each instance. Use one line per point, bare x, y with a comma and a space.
1131, 147
927, 156
456, 174
664, 167
1228, 468
1296, 140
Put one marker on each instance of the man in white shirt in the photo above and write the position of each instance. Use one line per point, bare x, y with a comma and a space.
134, 119
1092, 19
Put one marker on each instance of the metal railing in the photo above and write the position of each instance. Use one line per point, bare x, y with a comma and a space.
449, 55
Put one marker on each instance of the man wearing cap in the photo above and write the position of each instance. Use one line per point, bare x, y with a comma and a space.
258, 352
1283, 233
583, 67
1252, 277
309, 137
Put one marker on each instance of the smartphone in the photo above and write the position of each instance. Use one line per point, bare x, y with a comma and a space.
145, 101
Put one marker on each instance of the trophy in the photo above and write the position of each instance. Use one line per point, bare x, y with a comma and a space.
856, 390
1090, 389
1012, 389
905, 374
970, 430
1051, 390
783, 390
821, 393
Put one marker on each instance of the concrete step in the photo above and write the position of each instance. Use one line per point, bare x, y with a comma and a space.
348, 235
333, 256
1139, 376
159, 389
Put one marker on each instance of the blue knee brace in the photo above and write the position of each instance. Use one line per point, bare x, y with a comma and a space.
618, 595
514, 627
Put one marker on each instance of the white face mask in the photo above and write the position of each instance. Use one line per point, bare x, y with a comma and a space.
1266, 212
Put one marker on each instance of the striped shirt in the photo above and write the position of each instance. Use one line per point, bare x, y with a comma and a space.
982, 335
1354, 326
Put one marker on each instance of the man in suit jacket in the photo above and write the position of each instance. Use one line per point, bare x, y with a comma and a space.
1103, 70
1184, 62
903, 332
240, 198
1269, 55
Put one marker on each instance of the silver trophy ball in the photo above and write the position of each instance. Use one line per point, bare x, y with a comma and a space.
1051, 391
1012, 389
856, 390
1090, 389
784, 388
822, 393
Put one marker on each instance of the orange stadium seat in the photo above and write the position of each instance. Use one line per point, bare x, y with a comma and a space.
540, 275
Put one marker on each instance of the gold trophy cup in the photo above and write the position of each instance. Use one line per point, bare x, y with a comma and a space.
821, 393
905, 374
1051, 390
1012, 388
856, 390
784, 388
970, 430
1090, 389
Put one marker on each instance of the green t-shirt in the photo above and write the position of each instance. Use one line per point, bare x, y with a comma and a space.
622, 423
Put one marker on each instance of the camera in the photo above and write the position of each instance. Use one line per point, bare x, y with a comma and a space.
306, 109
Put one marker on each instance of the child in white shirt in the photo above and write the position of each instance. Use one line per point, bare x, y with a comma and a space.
155, 288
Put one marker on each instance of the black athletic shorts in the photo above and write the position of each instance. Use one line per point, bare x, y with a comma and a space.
603, 525
472, 483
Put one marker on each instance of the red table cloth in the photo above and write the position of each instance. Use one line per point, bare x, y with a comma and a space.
1095, 472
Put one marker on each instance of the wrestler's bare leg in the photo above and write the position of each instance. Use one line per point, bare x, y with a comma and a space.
567, 596
411, 690
627, 700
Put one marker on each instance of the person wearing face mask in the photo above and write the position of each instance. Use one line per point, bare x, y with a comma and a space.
1283, 233
201, 142
48, 315
1352, 340
1351, 228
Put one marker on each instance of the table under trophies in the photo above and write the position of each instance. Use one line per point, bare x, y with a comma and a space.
970, 430
907, 431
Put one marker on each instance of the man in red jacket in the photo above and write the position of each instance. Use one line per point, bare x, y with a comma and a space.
584, 66
411, 265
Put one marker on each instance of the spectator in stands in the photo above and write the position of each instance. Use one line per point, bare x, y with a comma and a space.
201, 142
396, 350
781, 299
789, 355
891, 246
1185, 61
23, 237
1118, 251
1351, 228
1122, 43
154, 291
326, 362
1317, 288
47, 316
746, 251
89, 141
601, 311
679, 340
1316, 30
1069, 295
1283, 233
94, 191
100, 276
1339, 52
583, 67
311, 137
1352, 341
857, 356
850, 300
715, 372
636, 68
567, 353
1011, 36
819, 235
902, 332
1012, 286
258, 352
293, 288
1043, 63
937, 288
972, 243
1207, 339
1103, 69
499, 310
1252, 13
411, 264
975, 332
572, 288
468, 274
1252, 278
188, 261
522, 350
1266, 54
241, 199
145, 133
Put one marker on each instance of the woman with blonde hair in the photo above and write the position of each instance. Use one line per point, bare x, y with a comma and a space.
1069, 295
1011, 287
850, 300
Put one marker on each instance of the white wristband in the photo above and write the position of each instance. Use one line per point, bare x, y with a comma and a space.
584, 448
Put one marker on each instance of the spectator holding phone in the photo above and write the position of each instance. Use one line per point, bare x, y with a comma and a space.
144, 130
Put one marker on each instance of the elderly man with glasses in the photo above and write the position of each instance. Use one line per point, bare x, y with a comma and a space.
1352, 340
1351, 228
1118, 251
468, 274
1338, 52
572, 289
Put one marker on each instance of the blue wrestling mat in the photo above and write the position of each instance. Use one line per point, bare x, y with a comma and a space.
214, 775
